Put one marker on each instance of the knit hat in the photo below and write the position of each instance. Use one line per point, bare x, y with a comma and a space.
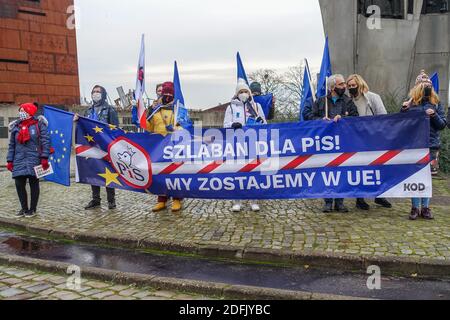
423, 78
242, 85
29, 108
256, 87
168, 89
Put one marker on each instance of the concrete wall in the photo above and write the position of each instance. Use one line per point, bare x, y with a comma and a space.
389, 58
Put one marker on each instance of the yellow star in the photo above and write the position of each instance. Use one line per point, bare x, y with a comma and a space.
98, 130
89, 138
112, 127
110, 177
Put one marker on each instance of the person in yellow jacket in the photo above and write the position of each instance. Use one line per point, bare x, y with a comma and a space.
161, 120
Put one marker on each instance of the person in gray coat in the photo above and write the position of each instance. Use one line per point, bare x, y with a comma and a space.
29, 147
103, 112
368, 104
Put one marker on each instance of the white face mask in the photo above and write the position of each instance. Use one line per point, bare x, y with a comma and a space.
244, 97
96, 97
23, 115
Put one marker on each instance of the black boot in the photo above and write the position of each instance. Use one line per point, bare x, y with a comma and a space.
383, 202
112, 205
339, 206
362, 204
93, 205
327, 208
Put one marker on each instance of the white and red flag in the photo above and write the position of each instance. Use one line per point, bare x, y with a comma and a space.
140, 86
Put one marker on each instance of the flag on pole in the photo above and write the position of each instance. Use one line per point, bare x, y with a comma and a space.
241, 75
435, 79
140, 86
307, 92
181, 112
325, 71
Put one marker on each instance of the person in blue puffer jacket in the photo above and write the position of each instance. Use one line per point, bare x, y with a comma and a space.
29, 147
424, 98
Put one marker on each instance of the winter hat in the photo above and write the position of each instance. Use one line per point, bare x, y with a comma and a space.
29, 108
255, 87
242, 85
423, 78
168, 89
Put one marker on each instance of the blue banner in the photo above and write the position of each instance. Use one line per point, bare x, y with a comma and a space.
384, 156
60, 125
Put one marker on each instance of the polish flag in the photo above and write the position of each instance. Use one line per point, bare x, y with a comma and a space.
140, 86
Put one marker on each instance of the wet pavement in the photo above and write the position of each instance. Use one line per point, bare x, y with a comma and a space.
194, 268
295, 225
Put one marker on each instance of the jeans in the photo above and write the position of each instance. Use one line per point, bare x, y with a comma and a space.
21, 183
417, 202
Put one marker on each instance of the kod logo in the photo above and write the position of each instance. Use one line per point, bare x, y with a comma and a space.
131, 162
415, 187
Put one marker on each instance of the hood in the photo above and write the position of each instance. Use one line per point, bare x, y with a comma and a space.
104, 96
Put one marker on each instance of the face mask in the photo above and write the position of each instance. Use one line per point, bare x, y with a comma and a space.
244, 97
354, 91
340, 92
167, 99
23, 115
96, 97
427, 92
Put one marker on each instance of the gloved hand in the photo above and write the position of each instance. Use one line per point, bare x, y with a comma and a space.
44, 163
259, 120
236, 125
10, 166
169, 128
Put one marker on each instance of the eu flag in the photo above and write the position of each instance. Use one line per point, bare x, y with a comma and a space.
325, 72
60, 124
307, 94
265, 102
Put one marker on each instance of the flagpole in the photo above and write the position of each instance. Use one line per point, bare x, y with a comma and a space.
326, 97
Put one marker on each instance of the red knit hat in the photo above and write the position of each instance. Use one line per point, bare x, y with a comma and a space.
168, 89
29, 108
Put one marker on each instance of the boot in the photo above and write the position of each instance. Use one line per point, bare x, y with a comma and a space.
112, 205
362, 204
414, 214
341, 208
176, 205
327, 208
160, 206
383, 202
426, 214
93, 205
21, 213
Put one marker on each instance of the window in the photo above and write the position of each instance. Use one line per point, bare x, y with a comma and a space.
2, 122
392, 9
435, 6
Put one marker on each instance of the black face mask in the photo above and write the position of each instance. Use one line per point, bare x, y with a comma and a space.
340, 92
427, 91
167, 99
354, 91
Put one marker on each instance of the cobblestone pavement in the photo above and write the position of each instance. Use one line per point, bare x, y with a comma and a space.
23, 284
295, 225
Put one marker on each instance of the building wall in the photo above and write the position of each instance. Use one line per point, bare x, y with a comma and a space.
38, 53
389, 58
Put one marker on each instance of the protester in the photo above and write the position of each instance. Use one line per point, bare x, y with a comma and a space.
243, 111
256, 89
368, 104
335, 106
424, 98
29, 147
161, 120
103, 112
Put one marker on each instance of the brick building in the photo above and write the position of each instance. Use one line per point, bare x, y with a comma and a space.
38, 55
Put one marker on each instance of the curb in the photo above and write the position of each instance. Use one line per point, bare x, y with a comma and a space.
393, 266
216, 289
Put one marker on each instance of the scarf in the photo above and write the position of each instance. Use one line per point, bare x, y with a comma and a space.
24, 130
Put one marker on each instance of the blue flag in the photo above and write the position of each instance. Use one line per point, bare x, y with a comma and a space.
241, 75
306, 92
182, 112
60, 124
435, 79
325, 71
265, 102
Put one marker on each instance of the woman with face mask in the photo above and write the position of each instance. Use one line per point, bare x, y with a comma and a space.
243, 111
424, 98
29, 147
368, 104
161, 120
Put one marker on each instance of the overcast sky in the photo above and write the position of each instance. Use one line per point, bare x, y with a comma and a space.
202, 35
